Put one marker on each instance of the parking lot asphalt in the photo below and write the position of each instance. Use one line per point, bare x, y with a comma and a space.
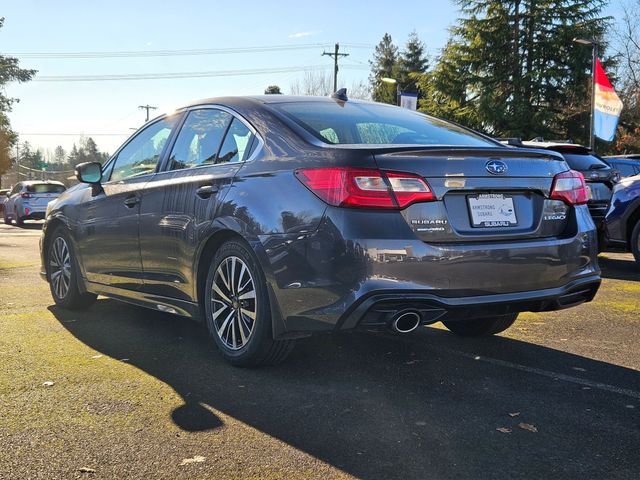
135, 393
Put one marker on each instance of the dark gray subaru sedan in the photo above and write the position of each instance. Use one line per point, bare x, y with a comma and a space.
271, 218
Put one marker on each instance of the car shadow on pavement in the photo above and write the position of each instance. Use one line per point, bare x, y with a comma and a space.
426, 405
31, 226
619, 269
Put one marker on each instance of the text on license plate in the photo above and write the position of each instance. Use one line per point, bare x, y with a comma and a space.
492, 210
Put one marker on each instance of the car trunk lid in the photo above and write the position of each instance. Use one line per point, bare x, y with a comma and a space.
481, 193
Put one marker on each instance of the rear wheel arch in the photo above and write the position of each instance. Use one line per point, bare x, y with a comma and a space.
632, 220
52, 226
206, 254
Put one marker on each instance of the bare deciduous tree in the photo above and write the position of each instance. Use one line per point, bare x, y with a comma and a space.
627, 49
314, 82
320, 83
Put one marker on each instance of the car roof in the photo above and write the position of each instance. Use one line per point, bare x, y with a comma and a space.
41, 182
267, 99
635, 157
567, 147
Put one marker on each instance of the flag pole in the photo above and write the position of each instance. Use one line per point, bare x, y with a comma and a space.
594, 56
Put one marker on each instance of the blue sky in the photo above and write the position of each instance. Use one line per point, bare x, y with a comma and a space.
111, 107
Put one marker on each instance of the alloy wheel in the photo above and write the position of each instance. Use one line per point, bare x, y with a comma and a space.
233, 303
60, 267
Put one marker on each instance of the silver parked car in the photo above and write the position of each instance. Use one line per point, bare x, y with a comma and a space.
28, 200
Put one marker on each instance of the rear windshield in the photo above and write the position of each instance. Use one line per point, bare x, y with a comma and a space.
376, 124
584, 161
45, 188
625, 169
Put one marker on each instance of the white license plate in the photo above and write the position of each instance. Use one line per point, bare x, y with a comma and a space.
492, 210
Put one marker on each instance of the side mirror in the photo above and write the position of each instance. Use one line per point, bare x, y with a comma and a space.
89, 172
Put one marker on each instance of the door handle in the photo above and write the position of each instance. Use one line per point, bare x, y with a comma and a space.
131, 202
206, 191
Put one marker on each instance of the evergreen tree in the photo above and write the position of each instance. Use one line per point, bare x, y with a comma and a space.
59, 156
89, 149
513, 69
74, 157
272, 90
26, 154
412, 60
384, 65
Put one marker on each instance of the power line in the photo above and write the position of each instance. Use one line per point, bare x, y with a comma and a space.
174, 53
165, 53
175, 75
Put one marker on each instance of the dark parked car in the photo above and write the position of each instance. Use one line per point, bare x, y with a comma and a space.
598, 174
275, 217
623, 218
627, 165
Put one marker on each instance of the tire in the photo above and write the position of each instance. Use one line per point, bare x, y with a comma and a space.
63, 273
6, 219
478, 327
602, 241
19, 220
635, 242
236, 290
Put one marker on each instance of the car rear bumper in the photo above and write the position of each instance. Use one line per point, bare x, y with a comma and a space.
319, 280
379, 309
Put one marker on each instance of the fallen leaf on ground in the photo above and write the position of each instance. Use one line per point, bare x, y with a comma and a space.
528, 426
514, 414
87, 470
503, 430
48, 383
196, 459
97, 356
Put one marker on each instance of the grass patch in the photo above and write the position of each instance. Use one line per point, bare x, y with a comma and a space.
623, 287
7, 265
622, 306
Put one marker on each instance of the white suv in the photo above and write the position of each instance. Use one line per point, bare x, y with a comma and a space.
28, 200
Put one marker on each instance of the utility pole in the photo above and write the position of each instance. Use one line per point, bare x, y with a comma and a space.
147, 108
18, 161
335, 55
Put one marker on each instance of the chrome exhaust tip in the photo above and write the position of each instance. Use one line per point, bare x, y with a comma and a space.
406, 321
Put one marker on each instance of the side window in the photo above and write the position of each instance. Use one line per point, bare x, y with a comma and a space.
107, 169
140, 156
625, 169
199, 139
237, 143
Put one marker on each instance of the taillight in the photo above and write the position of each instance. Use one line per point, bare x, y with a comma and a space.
365, 188
25, 195
570, 188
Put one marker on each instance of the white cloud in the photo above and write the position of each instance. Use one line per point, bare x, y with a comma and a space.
304, 34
